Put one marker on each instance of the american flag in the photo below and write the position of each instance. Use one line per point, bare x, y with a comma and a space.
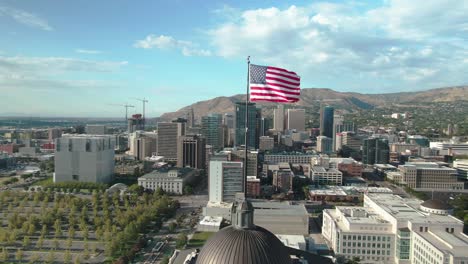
271, 84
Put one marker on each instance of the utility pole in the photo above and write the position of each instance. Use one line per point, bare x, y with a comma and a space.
126, 109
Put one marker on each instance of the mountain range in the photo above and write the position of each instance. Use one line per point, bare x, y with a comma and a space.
349, 101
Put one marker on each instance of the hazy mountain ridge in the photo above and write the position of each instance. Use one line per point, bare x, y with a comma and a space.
344, 100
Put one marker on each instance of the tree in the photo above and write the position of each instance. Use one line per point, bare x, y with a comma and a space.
354, 260
34, 258
26, 241
19, 255
4, 255
181, 240
50, 257
188, 190
165, 260
67, 257
172, 226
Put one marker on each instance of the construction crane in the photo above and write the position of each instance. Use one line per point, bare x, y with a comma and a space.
144, 101
126, 109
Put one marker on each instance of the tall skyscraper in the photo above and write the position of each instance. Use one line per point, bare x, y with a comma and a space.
240, 124
278, 118
225, 180
190, 118
340, 125
211, 129
324, 145
228, 120
191, 152
84, 158
168, 134
375, 151
296, 119
326, 121
142, 144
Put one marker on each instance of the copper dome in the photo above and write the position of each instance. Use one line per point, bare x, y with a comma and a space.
233, 245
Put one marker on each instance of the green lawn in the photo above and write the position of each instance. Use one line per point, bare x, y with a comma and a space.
199, 239
44, 182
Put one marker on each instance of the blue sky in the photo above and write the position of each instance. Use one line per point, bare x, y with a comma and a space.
74, 58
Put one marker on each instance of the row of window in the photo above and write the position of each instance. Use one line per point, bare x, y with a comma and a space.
366, 251
368, 238
369, 245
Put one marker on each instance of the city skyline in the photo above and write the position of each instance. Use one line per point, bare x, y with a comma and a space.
74, 59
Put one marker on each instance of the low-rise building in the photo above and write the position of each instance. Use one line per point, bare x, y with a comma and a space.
172, 181
429, 175
392, 229
320, 175
266, 143
300, 158
462, 168
253, 186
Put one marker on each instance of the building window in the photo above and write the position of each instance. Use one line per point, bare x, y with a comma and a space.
76, 177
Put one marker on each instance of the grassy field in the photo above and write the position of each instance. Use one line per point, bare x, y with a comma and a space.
199, 239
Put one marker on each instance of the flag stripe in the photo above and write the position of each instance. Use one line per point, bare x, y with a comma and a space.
282, 80
267, 95
272, 99
282, 70
291, 76
297, 81
279, 90
283, 85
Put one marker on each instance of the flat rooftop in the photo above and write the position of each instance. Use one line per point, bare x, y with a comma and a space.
407, 209
347, 190
456, 244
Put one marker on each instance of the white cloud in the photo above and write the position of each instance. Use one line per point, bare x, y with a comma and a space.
163, 42
402, 42
86, 51
25, 18
56, 64
50, 73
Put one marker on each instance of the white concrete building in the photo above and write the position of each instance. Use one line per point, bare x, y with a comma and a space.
450, 148
462, 167
391, 229
84, 158
320, 175
225, 179
429, 175
172, 181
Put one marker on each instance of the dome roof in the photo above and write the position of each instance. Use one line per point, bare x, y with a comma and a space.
436, 204
233, 245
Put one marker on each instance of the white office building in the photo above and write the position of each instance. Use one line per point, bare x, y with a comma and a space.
84, 158
320, 175
391, 229
462, 168
225, 179
172, 181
